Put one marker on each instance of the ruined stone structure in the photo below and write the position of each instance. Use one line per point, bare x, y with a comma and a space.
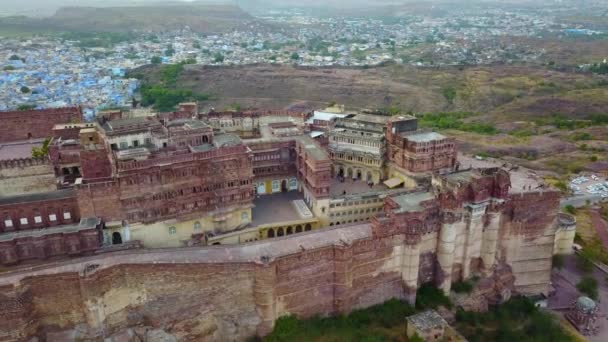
28, 124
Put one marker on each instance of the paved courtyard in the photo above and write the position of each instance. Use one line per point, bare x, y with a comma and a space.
275, 208
351, 187
18, 149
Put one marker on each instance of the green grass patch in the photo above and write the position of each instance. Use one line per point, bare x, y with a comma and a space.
455, 120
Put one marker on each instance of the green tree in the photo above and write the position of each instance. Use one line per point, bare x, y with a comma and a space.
295, 56
43, 151
196, 45
26, 107
8, 68
25, 90
218, 58
15, 58
588, 286
156, 60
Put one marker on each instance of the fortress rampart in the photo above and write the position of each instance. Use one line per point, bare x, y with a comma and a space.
233, 292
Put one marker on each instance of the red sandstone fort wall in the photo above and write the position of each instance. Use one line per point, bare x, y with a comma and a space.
27, 124
194, 295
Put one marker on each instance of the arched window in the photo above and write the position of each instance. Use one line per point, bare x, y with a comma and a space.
270, 233
289, 230
308, 227
172, 230
116, 238
280, 232
298, 229
197, 227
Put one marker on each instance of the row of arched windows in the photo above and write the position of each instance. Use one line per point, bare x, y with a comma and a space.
282, 231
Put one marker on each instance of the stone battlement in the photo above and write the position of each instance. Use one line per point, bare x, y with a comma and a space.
22, 162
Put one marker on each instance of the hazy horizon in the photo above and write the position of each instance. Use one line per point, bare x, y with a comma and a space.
49, 7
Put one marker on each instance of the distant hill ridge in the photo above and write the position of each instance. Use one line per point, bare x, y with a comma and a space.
204, 18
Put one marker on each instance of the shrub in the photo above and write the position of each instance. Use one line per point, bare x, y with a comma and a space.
579, 136
454, 120
588, 286
430, 297
570, 209
561, 185
584, 264
449, 93
462, 287
558, 261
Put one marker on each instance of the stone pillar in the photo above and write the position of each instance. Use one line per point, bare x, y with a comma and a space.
564, 236
474, 234
343, 280
445, 256
265, 297
126, 233
409, 270
490, 242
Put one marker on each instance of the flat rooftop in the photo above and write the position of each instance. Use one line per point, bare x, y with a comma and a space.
412, 202
427, 320
522, 179
18, 149
377, 119
311, 147
422, 137
353, 187
221, 140
137, 123
84, 224
276, 208
42, 196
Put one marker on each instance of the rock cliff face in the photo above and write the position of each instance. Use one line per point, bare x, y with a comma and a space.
231, 293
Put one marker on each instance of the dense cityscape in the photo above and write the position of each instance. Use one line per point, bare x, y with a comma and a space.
55, 71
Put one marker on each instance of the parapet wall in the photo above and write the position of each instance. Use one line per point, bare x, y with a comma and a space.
194, 293
28, 124
23, 162
233, 292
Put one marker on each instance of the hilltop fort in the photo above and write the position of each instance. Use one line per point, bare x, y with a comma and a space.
213, 225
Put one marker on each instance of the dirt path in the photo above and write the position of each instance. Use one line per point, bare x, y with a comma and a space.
601, 226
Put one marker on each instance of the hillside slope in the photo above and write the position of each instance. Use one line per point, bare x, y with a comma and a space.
504, 93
